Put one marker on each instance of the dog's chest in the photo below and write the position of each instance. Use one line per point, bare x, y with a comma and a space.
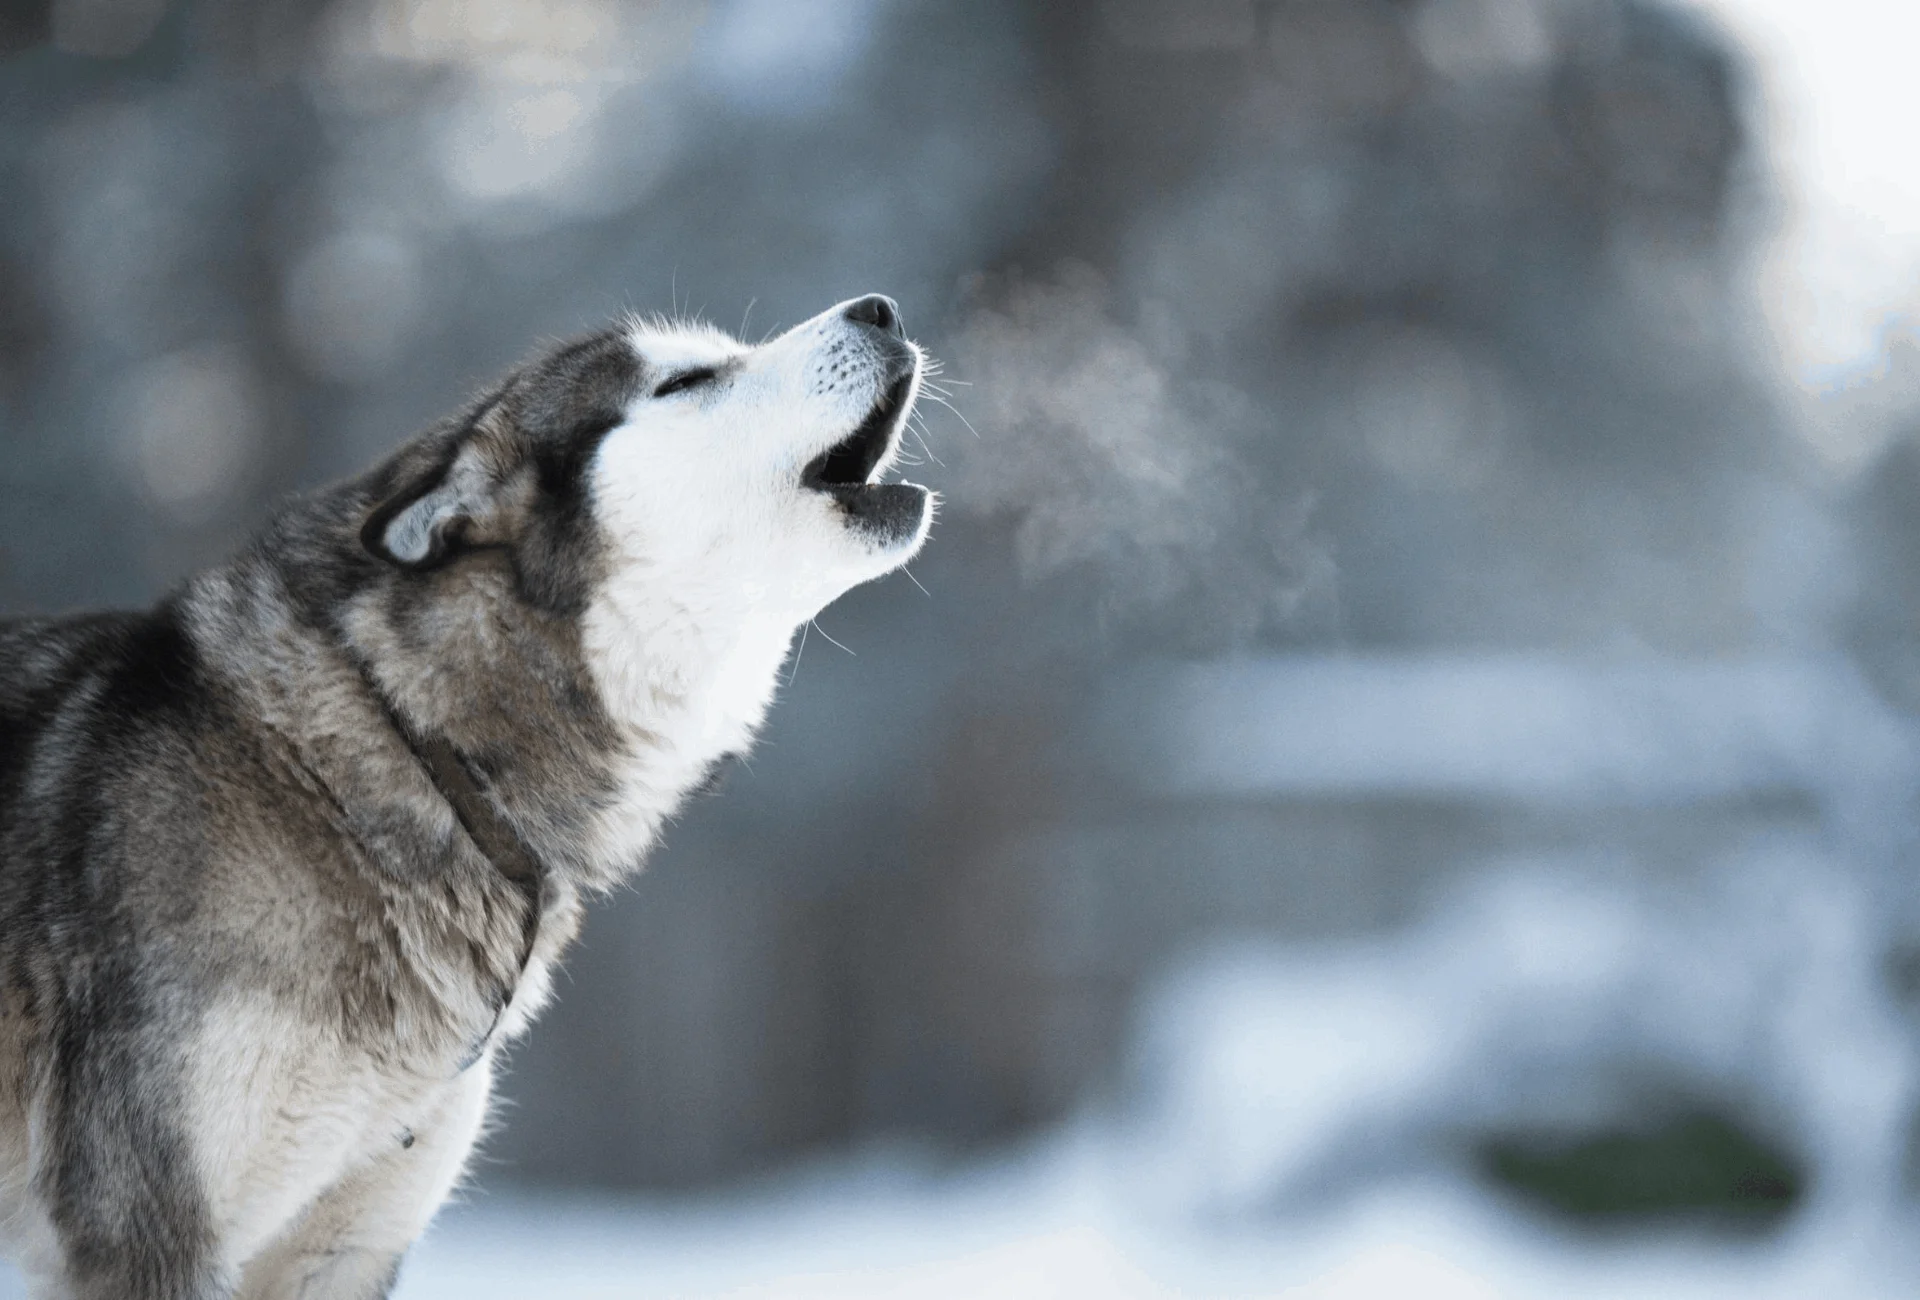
281, 1120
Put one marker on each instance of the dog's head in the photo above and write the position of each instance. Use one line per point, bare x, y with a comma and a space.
710, 477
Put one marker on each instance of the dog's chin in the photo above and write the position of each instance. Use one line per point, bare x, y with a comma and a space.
891, 518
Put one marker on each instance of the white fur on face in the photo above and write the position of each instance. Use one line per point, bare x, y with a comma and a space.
704, 485
719, 552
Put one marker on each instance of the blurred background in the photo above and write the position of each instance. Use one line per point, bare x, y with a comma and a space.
1396, 775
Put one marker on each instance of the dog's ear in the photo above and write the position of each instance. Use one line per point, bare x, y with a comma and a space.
440, 509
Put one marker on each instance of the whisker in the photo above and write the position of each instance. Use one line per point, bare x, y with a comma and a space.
823, 632
795, 670
956, 410
919, 438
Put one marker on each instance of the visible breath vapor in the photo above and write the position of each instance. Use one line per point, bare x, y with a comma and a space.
1119, 468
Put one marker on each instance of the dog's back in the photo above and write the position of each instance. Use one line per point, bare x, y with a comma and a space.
80, 699
80, 777
42, 662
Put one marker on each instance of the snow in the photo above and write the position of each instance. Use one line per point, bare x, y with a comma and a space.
1027, 1231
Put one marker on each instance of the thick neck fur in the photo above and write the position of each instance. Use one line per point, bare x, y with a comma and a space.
588, 727
683, 688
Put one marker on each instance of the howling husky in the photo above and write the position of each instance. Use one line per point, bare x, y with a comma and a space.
286, 858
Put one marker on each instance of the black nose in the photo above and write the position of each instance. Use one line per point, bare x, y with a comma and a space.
879, 311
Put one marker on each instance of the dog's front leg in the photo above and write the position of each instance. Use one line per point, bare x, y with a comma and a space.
143, 1271
117, 1181
349, 1245
349, 1274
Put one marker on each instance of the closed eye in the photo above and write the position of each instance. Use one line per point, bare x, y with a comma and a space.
687, 379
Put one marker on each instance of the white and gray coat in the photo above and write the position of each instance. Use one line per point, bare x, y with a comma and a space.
256, 949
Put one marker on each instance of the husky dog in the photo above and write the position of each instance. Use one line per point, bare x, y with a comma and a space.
286, 858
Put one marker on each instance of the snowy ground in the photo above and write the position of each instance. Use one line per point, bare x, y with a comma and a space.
1044, 1226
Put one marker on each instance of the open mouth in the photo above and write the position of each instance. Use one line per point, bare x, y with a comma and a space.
850, 462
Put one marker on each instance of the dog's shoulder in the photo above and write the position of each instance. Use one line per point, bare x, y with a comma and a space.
146, 652
59, 676
132, 665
